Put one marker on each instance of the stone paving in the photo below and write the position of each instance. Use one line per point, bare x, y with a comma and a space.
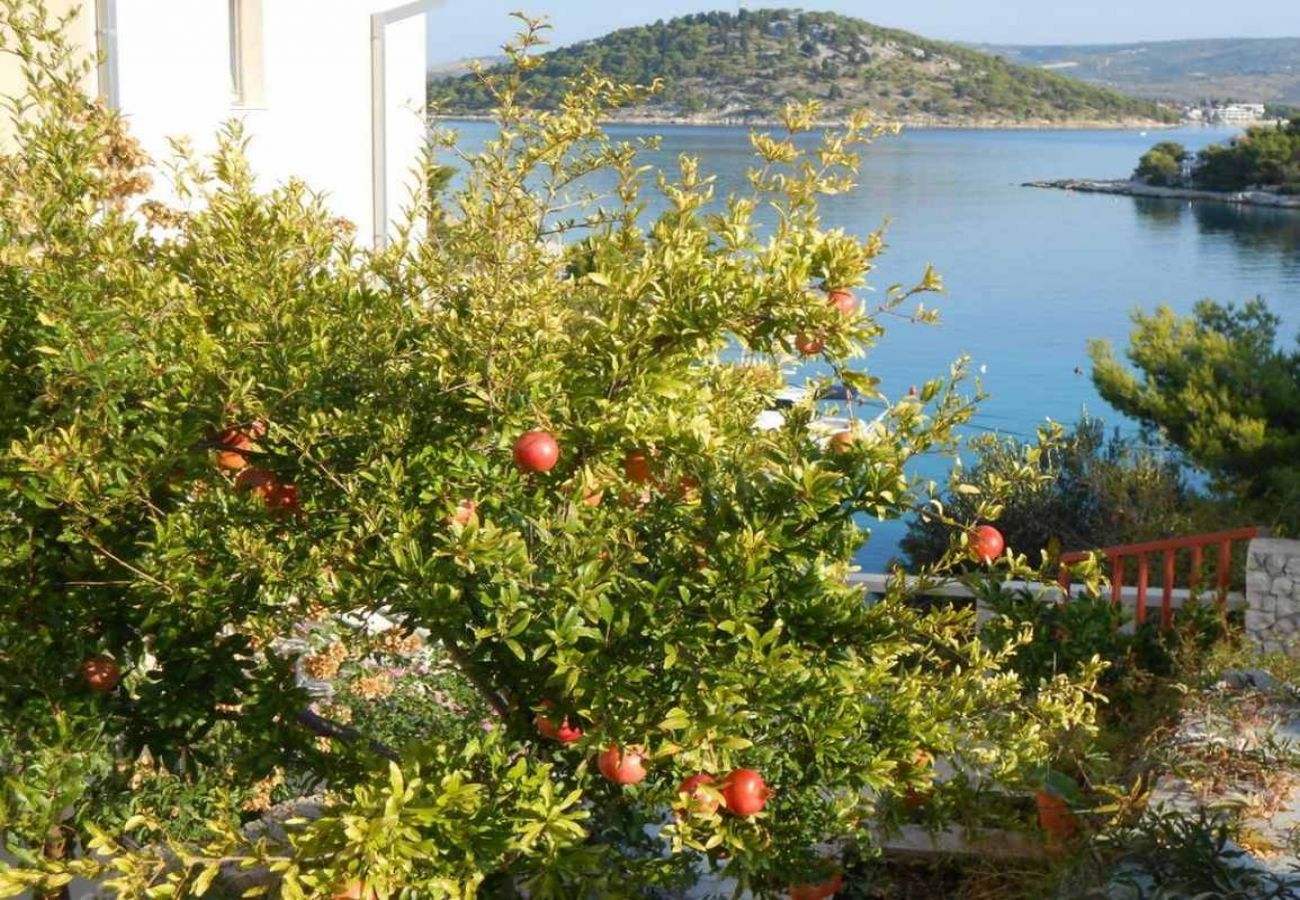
1239, 755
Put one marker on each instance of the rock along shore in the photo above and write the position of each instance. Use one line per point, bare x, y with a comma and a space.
1128, 188
907, 123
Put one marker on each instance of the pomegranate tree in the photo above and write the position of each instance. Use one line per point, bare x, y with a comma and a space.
446, 416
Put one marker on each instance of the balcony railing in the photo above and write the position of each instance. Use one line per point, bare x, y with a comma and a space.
1219, 543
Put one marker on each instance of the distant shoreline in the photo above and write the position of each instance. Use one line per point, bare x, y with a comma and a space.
1127, 188
913, 124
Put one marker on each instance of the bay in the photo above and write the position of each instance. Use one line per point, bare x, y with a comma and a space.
1030, 274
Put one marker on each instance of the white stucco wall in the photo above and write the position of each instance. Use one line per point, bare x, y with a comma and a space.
315, 121
406, 70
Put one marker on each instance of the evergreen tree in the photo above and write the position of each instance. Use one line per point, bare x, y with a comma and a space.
1217, 385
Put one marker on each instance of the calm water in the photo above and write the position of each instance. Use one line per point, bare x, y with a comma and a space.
1030, 274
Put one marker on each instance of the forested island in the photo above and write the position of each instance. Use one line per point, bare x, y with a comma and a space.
1261, 167
1265, 157
721, 67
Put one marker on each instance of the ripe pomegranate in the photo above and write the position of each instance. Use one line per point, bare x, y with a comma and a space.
622, 766
233, 445
637, 467
819, 891
283, 500
843, 301
1054, 816
356, 890
700, 802
744, 793
257, 480
841, 441
913, 797
563, 732
809, 345
637, 499
465, 510
536, 451
101, 674
986, 543
688, 489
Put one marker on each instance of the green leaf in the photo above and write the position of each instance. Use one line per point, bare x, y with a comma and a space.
676, 720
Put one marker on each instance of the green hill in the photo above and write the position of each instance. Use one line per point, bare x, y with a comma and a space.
1261, 70
724, 67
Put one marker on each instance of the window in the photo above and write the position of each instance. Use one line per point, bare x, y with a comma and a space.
246, 71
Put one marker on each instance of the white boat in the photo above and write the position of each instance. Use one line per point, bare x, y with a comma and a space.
822, 427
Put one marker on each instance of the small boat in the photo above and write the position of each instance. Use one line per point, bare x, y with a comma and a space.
822, 427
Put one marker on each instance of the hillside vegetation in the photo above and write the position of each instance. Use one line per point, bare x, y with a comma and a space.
721, 66
1264, 70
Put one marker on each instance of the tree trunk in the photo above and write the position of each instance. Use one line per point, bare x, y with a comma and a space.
56, 847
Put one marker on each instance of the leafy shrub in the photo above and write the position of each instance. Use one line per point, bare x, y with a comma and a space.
224, 421
1091, 490
1066, 636
1168, 855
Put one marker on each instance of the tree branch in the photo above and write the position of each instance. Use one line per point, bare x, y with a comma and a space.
331, 729
470, 670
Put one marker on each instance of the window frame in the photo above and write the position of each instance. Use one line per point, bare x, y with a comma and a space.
247, 65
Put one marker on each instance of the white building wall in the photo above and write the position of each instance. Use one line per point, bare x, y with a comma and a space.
315, 119
406, 71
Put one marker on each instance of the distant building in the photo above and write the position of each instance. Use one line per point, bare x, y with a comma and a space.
1238, 113
332, 91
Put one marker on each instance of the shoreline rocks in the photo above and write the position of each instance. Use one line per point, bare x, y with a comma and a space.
908, 123
1127, 188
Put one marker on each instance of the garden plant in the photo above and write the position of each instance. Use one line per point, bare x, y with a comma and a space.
256, 479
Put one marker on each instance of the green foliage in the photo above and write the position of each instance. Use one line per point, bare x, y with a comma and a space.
1162, 165
703, 615
748, 64
1090, 490
1067, 636
1217, 386
1170, 854
1265, 156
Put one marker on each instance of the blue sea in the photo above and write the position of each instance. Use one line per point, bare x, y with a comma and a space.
1030, 274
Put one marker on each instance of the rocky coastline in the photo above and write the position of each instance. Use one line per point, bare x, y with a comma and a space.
1128, 188
920, 123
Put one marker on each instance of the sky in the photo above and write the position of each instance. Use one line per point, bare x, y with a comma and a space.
467, 28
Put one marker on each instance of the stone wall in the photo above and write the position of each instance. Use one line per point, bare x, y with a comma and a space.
1273, 594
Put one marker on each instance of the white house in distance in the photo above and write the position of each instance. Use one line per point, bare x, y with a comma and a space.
331, 91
